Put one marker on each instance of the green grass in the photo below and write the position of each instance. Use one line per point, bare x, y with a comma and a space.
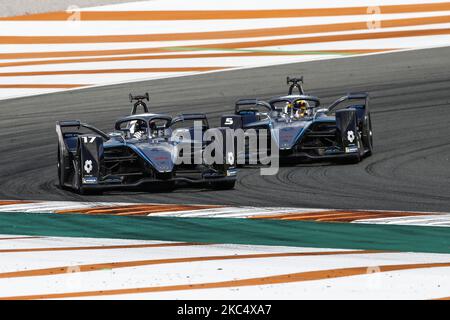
237, 231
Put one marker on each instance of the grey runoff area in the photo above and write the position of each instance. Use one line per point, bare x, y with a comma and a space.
10, 8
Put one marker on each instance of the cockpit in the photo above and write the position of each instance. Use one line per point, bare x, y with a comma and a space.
144, 128
294, 109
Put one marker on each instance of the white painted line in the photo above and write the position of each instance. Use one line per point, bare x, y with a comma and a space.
441, 220
179, 5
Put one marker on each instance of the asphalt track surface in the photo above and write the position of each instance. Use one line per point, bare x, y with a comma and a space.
410, 105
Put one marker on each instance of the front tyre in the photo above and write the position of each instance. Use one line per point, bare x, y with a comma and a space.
368, 137
60, 167
77, 183
160, 187
223, 185
167, 186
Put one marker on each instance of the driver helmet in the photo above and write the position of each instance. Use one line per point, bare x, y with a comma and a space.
301, 108
288, 109
153, 130
142, 126
138, 129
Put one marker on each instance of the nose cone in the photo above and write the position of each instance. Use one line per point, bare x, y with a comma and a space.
286, 135
159, 156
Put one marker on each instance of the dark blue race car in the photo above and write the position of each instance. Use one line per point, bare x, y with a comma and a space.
140, 153
303, 130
